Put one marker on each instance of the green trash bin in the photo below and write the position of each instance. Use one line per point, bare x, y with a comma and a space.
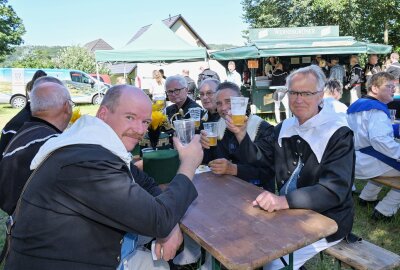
263, 99
162, 165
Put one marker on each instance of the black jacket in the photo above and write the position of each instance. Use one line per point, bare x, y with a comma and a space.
13, 126
323, 187
81, 202
14, 167
262, 146
207, 74
394, 69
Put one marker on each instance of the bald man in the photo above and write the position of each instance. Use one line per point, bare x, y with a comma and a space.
86, 195
51, 111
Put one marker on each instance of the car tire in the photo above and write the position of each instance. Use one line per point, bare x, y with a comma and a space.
18, 102
96, 100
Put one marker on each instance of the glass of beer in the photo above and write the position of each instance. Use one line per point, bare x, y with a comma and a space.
195, 114
238, 110
184, 130
159, 100
211, 128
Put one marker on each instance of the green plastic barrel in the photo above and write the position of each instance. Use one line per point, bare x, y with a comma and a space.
162, 165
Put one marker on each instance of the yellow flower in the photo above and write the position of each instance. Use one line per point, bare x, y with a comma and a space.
157, 119
75, 115
158, 105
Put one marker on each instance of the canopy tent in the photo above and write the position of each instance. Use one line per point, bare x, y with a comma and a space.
300, 46
157, 44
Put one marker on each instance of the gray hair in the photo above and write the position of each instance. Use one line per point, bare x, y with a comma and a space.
178, 78
210, 82
333, 85
42, 100
313, 70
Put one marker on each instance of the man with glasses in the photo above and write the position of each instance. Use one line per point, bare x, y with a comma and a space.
376, 150
207, 94
177, 92
51, 108
314, 162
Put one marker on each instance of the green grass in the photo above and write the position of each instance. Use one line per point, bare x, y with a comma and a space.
384, 234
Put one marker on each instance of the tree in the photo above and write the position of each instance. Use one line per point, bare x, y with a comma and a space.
11, 29
366, 20
76, 57
37, 58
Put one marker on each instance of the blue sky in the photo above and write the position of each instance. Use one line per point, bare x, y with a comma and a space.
76, 22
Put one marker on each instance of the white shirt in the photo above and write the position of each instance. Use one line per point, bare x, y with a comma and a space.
372, 128
234, 77
157, 89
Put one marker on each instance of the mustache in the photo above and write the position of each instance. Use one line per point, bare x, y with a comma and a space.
133, 135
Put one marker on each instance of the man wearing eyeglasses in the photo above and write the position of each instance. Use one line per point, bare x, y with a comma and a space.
314, 162
177, 92
207, 93
51, 112
376, 150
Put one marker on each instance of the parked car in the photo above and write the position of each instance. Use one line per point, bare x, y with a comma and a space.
82, 87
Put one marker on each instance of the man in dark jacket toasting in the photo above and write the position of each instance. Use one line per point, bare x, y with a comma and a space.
85, 194
314, 162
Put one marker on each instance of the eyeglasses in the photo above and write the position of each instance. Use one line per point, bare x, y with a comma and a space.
208, 94
174, 91
303, 94
71, 103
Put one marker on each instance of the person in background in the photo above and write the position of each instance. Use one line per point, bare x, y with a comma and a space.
394, 68
86, 195
207, 94
270, 66
207, 73
157, 86
235, 143
192, 90
162, 73
355, 79
232, 75
279, 96
314, 163
333, 91
371, 68
324, 67
376, 150
337, 71
51, 108
316, 60
20, 118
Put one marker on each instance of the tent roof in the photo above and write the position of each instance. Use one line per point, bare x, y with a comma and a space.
157, 44
301, 46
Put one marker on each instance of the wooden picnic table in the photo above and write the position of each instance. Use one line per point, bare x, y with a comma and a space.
224, 222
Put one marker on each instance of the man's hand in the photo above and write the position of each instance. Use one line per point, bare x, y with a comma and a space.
169, 245
205, 142
271, 202
190, 155
222, 166
239, 131
139, 164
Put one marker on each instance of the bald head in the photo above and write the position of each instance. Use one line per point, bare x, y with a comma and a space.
48, 96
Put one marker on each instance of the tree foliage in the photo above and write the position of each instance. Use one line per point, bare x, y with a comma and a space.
80, 58
363, 19
11, 29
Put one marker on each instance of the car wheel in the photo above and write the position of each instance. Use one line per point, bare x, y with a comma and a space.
97, 99
18, 102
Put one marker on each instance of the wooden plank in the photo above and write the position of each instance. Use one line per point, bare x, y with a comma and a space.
240, 236
364, 255
393, 182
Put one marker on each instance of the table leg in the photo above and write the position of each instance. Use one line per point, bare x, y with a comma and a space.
290, 265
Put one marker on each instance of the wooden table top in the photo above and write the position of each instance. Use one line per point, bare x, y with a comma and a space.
240, 236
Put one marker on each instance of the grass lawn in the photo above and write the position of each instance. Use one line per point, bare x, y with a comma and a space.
384, 234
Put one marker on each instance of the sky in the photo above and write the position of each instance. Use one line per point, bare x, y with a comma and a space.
76, 22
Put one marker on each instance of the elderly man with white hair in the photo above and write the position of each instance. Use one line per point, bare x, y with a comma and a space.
314, 162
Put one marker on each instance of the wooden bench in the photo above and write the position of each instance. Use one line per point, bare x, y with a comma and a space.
393, 182
363, 256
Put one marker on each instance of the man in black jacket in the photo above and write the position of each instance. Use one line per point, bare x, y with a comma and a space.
51, 112
85, 194
314, 162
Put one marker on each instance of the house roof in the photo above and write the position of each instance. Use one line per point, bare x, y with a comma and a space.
98, 44
169, 22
